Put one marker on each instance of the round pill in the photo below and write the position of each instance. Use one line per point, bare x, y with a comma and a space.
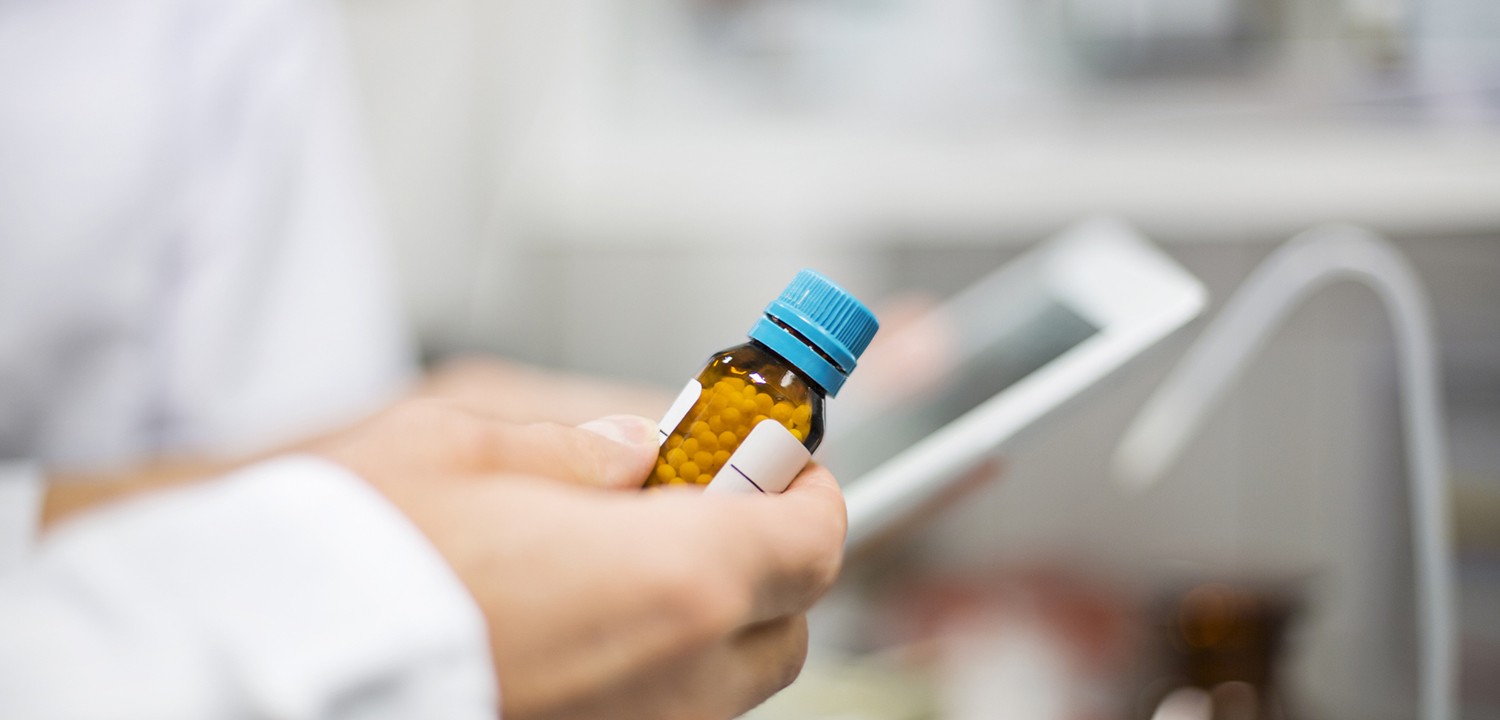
699, 427
731, 416
708, 443
801, 414
665, 473
720, 458
703, 459
728, 441
763, 403
688, 471
676, 457
690, 446
781, 412
673, 441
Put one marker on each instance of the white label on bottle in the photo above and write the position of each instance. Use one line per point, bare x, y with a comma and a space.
679, 410
767, 461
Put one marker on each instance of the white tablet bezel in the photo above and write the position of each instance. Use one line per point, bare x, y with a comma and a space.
1100, 269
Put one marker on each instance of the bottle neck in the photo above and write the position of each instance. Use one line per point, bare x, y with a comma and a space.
801, 356
810, 344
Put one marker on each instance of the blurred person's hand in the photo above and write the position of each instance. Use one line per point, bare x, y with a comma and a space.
599, 603
515, 392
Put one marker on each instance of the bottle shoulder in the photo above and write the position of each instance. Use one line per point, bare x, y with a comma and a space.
780, 392
754, 362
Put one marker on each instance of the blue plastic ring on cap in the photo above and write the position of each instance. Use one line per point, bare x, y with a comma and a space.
797, 352
814, 332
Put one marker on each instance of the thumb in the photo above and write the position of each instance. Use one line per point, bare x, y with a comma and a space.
617, 451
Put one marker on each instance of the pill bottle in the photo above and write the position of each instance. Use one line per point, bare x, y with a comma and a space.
753, 416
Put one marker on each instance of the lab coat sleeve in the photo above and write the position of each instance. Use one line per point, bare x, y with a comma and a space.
291, 589
20, 510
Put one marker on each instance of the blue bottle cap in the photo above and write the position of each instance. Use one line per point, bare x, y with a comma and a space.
826, 317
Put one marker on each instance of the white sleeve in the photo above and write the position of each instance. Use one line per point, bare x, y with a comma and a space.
289, 590
20, 510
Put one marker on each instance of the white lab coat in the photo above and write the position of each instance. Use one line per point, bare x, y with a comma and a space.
189, 263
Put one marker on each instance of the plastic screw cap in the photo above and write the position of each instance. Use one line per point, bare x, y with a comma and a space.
828, 316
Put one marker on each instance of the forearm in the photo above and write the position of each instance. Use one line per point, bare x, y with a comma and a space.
519, 393
68, 494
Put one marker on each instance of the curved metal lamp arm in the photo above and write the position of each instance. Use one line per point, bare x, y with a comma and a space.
1311, 261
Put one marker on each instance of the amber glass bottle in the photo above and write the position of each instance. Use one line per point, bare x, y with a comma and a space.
753, 416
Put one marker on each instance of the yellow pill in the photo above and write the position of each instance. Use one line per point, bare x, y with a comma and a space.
690, 446
688, 471
720, 458
699, 428
746, 406
764, 402
802, 414
703, 459
781, 412
708, 443
666, 473
731, 416
728, 441
673, 440
733, 382
798, 434
717, 403
750, 391
716, 424
677, 481
676, 457
756, 421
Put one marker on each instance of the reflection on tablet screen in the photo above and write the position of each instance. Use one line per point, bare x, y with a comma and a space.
1047, 333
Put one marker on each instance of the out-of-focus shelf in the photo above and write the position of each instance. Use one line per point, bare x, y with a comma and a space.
804, 182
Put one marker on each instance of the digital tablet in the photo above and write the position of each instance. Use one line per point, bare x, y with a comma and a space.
1024, 340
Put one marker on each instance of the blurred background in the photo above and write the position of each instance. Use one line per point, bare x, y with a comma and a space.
618, 187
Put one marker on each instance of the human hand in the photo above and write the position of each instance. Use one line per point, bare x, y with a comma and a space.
608, 604
515, 392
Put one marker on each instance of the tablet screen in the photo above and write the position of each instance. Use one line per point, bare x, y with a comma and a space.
1048, 332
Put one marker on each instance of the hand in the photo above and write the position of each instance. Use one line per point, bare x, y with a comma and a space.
608, 604
514, 392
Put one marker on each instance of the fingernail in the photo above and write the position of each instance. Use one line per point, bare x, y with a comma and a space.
628, 429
